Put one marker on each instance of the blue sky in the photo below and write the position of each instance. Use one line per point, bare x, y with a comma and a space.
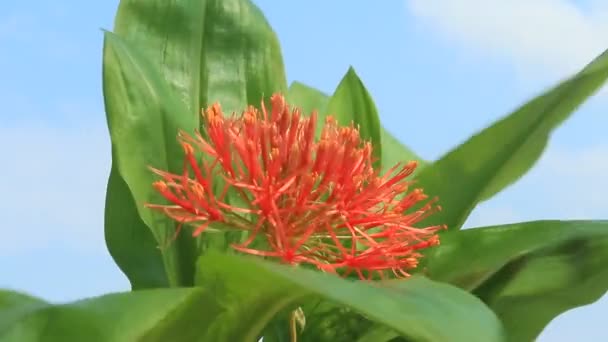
439, 70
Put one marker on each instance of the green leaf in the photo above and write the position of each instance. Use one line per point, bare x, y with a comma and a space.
310, 99
174, 58
500, 154
207, 50
528, 273
129, 240
378, 334
14, 306
143, 119
394, 152
147, 315
251, 292
351, 102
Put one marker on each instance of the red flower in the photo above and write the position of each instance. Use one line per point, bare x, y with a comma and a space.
305, 201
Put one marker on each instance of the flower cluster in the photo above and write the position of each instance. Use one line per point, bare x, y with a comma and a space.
305, 200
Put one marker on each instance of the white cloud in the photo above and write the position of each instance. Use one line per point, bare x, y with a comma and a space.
53, 184
555, 34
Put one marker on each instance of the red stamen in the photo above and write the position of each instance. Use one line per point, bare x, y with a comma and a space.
320, 203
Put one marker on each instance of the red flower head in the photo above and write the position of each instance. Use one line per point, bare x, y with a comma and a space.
307, 201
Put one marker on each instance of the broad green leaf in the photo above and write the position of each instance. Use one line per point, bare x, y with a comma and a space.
129, 240
14, 306
253, 291
500, 154
197, 53
207, 50
351, 102
378, 334
143, 119
147, 315
528, 273
394, 152
310, 99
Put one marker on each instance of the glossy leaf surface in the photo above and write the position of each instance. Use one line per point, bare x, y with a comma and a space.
528, 273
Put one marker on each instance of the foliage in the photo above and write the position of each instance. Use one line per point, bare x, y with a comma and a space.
163, 62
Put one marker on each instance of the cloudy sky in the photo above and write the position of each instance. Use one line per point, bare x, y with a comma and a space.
439, 70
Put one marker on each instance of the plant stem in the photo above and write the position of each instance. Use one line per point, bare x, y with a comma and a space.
297, 318
293, 331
